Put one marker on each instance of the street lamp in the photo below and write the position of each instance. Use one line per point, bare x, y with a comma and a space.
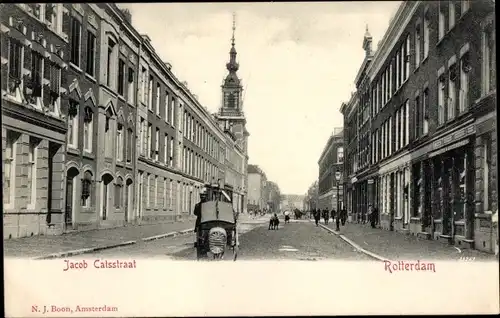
337, 177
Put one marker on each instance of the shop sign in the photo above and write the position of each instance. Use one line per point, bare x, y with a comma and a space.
457, 135
450, 147
443, 141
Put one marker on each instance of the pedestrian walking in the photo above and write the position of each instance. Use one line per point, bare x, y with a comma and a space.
337, 220
326, 216
374, 218
369, 213
317, 217
343, 216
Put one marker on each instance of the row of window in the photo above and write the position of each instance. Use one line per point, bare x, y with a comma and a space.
196, 165
41, 86
152, 150
448, 13
199, 135
154, 192
159, 193
398, 70
332, 159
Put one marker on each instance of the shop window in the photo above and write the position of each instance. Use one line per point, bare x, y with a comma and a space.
487, 174
417, 210
461, 166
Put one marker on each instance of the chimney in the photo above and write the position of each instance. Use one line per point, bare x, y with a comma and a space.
146, 38
127, 14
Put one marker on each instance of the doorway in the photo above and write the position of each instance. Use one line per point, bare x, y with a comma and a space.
128, 199
70, 197
106, 182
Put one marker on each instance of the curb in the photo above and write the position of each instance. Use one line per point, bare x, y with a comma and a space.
356, 246
160, 236
105, 247
84, 250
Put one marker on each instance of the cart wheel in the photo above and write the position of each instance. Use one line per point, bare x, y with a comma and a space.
235, 252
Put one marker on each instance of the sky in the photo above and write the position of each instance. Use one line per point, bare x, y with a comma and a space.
298, 62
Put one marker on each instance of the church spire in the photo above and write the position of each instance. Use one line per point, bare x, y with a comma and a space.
234, 28
232, 66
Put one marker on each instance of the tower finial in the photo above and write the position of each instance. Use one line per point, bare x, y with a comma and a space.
234, 27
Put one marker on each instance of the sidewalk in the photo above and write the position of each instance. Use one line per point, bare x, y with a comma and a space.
397, 246
40, 246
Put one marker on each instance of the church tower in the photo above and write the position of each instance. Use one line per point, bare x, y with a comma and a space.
230, 114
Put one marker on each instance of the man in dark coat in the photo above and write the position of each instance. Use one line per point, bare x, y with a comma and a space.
197, 213
317, 216
374, 217
344, 216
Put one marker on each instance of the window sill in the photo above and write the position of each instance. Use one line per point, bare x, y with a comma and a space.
73, 150
75, 67
120, 163
91, 78
87, 209
31, 207
88, 154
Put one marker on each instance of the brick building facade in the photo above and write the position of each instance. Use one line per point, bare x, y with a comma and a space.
34, 97
96, 129
331, 162
432, 115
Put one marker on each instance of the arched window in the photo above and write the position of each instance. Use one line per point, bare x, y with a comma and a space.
130, 144
87, 189
119, 141
108, 138
73, 124
88, 116
118, 192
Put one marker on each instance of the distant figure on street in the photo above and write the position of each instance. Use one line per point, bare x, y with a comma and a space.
333, 213
326, 216
274, 222
374, 217
317, 216
343, 216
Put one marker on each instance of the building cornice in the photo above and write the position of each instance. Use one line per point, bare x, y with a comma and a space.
396, 27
